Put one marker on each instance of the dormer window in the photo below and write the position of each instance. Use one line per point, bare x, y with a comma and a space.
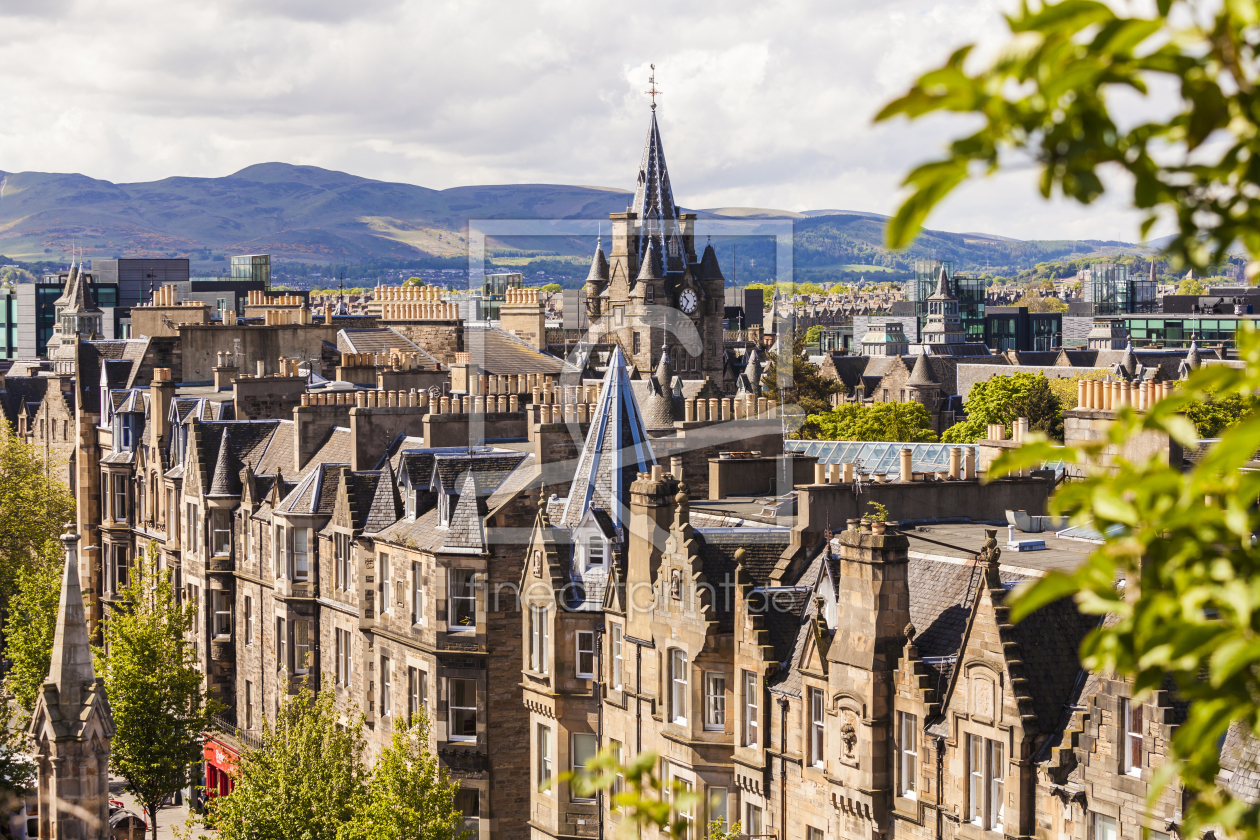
595, 551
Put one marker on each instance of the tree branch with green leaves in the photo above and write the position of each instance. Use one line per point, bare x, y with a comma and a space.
1046, 98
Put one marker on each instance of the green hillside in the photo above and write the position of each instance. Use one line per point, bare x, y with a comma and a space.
304, 214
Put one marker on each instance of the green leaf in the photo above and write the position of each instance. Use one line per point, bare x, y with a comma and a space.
1054, 586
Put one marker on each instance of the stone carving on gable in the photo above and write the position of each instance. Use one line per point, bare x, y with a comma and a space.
982, 697
848, 734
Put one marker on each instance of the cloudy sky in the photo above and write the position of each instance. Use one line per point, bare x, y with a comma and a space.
765, 104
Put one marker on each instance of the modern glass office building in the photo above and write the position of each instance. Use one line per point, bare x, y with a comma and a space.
969, 290
253, 267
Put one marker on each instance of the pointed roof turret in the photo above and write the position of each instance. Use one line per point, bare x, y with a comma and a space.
227, 470
664, 375
709, 267
921, 376
650, 269
617, 449
1193, 360
1129, 360
71, 671
942, 287
599, 266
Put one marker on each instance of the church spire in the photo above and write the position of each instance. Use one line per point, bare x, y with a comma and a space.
71, 670
653, 196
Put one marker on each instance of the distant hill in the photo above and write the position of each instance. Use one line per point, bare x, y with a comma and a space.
308, 214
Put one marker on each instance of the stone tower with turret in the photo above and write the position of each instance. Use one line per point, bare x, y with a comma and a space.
652, 291
72, 724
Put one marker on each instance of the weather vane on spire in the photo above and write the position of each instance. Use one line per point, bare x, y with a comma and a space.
652, 83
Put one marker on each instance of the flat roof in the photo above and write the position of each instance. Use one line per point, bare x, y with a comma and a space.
962, 538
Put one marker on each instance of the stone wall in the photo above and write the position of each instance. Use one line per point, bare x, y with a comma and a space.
267, 397
442, 339
255, 343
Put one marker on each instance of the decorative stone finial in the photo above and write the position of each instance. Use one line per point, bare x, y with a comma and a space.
909, 631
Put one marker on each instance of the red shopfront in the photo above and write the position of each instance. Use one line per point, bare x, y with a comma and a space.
220, 765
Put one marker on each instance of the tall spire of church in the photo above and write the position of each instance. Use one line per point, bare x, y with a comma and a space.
653, 196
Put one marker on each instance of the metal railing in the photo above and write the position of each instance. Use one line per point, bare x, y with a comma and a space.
221, 724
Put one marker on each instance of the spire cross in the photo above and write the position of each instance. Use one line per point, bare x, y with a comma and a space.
652, 84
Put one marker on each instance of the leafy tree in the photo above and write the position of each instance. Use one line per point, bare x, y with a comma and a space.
154, 687
1191, 286
1216, 412
409, 796
305, 781
34, 505
804, 385
413, 281
887, 421
1045, 99
30, 626
645, 802
813, 335
1003, 399
1037, 303
552, 287
1183, 541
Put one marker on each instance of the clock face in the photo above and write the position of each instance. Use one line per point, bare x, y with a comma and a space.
687, 301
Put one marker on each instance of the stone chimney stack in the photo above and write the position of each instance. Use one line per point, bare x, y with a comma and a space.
874, 612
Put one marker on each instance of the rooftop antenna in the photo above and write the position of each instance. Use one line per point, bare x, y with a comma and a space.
652, 91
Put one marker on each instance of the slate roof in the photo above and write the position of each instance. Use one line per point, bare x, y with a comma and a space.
386, 507
717, 551
615, 452
599, 266
315, 494
19, 391
491, 468
1240, 763
226, 480
383, 340
465, 532
499, 353
653, 196
249, 440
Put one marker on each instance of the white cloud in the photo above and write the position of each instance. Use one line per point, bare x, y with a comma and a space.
764, 104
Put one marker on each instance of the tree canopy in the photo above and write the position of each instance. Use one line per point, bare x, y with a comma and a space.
154, 687
309, 779
907, 422
803, 384
34, 506
1004, 399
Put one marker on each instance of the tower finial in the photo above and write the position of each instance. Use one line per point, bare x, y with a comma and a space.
652, 86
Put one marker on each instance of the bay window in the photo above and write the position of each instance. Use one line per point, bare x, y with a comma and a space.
816, 728
462, 696
538, 639
618, 658
382, 584
220, 532
908, 757
463, 601
751, 708
584, 748
677, 686
221, 605
544, 759
301, 555
714, 701
986, 783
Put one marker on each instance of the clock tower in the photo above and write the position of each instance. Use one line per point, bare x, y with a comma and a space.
652, 294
